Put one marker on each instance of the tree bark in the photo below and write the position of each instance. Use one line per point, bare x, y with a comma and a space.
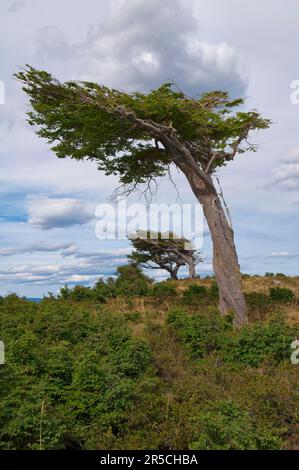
225, 259
174, 274
191, 265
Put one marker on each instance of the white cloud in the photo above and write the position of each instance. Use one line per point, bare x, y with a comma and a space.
40, 247
47, 213
285, 175
280, 254
78, 278
142, 44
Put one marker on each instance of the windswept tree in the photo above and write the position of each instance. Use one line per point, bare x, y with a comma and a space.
164, 251
139, 136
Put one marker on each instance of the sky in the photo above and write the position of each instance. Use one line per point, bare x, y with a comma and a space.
47, 206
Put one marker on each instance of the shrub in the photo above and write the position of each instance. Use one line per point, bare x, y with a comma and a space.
254, 344
201, 334
226, 426
104, 290
164, 289
281, 294
249, 346
65, 292
80, 293
131, 281
257, 301
195, 291
82, 369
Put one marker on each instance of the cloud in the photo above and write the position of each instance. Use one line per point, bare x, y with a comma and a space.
65, 248
280, 254
76, 267
75, 278
285, 176
15, 6
142, 44
47, 213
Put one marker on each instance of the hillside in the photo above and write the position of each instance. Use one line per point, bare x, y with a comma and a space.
156, 371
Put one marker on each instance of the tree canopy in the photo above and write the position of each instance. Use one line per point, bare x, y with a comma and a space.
127, 133
163, 251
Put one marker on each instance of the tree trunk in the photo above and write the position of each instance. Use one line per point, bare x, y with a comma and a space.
225, 259
191, 265
174, 275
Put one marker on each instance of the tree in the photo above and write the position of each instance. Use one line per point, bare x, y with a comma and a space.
154, 251
139, 136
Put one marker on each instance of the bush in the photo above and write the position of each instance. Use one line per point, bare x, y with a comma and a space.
164, 289
254, 344
80, 293
201, 334
131, 281
81, 369
194, 291
227, 427
249, 346
281, 275
281, 294
104, 290
257, 301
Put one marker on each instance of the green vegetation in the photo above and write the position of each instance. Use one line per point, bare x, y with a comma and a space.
67, 370
155, 368
281, 294
130, 281
252, 345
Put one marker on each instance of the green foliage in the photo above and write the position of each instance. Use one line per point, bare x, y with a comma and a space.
227, 427
250, 346
72, 370
164, 289
88, 378
104, 290
281, 294
167, 251
202, 334
257, 301
213, 291
84, 120
254, 344
194, 292
131, 281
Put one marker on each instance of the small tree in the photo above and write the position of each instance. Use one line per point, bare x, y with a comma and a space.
154, 251
139, 136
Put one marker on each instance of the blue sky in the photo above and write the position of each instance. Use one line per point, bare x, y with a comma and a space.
47, 205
